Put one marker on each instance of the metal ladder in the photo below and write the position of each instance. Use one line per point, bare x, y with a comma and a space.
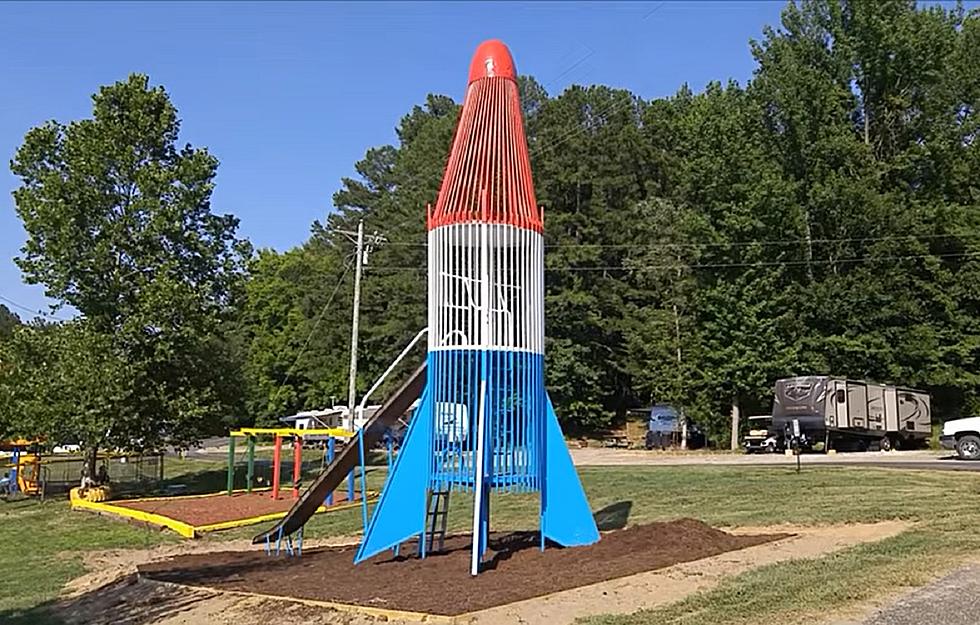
436, 518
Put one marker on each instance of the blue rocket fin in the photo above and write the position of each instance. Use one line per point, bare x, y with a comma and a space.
565, 514
400, 513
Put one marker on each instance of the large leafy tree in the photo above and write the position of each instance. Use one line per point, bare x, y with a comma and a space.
120, 227
8, 321
71, 383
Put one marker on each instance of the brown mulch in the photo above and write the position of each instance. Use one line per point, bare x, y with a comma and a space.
198, 511
515, 569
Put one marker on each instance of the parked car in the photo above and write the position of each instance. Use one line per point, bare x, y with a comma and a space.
963, 435
664, 429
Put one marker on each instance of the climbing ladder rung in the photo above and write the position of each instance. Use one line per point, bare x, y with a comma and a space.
438, 513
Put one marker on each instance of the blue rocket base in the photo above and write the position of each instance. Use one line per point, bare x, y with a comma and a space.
565, 514
400, 514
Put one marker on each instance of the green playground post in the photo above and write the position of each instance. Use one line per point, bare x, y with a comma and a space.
231, 463
250, 474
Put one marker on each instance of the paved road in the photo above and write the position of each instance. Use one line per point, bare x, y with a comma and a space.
952, 600
924, 459
604, 456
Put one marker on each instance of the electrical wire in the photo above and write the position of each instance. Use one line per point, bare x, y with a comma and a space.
316, 324
640, 267
31, 310
758, 242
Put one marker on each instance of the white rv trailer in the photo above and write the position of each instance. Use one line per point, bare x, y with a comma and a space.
839, 412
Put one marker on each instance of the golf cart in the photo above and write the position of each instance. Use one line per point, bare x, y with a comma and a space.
760, 438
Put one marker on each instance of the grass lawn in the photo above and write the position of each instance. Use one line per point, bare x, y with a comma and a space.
41, 545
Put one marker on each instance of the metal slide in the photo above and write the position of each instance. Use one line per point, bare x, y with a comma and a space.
334, 475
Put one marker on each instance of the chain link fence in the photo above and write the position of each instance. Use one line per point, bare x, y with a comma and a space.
129, 474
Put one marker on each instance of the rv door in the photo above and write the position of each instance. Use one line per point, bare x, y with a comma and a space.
839, 400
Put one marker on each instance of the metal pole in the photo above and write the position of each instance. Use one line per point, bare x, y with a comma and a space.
677, 336
231, 463
390, 368
250, 472
15, 471
276, 456
364, 510
352, 382
479, 501
297, 464
330, 454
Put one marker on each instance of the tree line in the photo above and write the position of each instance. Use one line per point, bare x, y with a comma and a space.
822, 218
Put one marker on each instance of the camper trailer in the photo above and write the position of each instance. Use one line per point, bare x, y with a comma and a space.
848, 414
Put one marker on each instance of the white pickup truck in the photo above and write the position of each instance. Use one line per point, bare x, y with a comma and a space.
963, 435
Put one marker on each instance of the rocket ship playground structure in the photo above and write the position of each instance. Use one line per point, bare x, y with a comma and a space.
484, 423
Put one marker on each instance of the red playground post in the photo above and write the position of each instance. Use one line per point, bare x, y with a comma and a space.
297, 463
276, 452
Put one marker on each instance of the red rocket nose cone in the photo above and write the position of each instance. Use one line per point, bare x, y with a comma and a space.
492, 58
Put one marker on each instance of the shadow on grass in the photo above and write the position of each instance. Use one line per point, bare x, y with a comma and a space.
614, 516
40, 615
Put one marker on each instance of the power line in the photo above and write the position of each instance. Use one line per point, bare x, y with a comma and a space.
652, 11
31, 310
759, 242
640, 267
823, 261
765, 242
613, 108
570, 68
316, 324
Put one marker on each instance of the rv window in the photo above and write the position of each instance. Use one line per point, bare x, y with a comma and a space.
841, 396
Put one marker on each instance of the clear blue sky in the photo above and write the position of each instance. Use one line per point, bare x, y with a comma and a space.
289, 96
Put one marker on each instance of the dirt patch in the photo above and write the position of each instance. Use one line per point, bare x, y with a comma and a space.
516, 568
198, 511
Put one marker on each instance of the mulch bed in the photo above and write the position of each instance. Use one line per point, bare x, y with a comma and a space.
440, 584
198, 511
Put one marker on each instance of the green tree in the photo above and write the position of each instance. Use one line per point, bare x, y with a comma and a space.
8, 321
591, 166
120, 227
294, 333
71, 382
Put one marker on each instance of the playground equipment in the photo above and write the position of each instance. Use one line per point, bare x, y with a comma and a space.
343, 464
251, 435
23, 472
30, 471
485, 422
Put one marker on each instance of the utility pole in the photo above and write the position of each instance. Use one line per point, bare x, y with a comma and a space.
355, 319
677, 336
361, 252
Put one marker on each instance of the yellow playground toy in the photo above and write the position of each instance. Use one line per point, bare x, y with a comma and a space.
21, 465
